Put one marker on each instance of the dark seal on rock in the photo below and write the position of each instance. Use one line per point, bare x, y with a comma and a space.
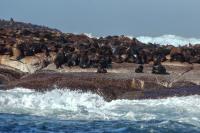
139, 69
158, 68
102, 65
59, 59
17, 52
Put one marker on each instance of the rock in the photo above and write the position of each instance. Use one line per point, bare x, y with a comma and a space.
33, 49
28, 64
183, 84
137, 84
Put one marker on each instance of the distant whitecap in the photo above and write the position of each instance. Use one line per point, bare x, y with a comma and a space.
163, 40
169, 39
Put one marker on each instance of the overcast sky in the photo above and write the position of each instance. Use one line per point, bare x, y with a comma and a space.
114, 17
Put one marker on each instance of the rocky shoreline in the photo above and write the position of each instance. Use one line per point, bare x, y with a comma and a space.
30, 58
118, 83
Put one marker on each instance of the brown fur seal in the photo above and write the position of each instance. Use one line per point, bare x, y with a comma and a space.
176, 54
139, 69
84, 60
102, 65
158, 68
59, 59
16, 52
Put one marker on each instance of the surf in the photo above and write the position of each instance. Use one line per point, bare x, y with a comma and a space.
76, 105
167, 39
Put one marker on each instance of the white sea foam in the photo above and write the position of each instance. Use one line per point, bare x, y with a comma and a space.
75, 105
90, 35
163, 40
169, 39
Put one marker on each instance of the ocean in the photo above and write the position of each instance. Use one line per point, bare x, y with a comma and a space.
24, 110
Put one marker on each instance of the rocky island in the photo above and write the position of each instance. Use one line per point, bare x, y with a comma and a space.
115, 67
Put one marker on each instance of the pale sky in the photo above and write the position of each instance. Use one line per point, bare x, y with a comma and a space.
109, 17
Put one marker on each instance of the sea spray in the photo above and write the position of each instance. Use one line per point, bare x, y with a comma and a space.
163, 40
75, 105
169, 39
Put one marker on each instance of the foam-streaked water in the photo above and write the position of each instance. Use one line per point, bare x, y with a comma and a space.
73, 111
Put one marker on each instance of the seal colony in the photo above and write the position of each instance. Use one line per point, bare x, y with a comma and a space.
32, 51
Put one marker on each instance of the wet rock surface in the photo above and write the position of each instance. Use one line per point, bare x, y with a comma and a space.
122, 85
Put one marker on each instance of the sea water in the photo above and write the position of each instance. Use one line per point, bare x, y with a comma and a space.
24, 110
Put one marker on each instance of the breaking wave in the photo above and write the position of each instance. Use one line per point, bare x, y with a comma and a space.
75, 105
169, 39
163, 40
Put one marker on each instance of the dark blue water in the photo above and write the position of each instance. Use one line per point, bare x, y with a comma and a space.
26, 123
23, 110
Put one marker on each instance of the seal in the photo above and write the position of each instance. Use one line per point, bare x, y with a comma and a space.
84, 60
139, 69
17, 52
158, 68
176, 54
102, 65
59, 59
